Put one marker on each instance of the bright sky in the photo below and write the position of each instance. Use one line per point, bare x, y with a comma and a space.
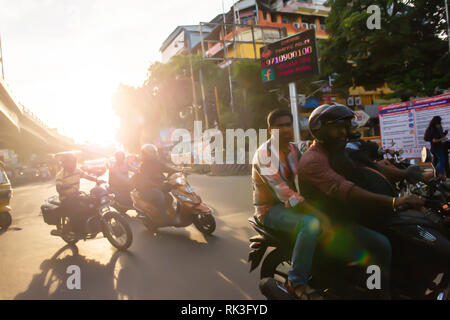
65, 58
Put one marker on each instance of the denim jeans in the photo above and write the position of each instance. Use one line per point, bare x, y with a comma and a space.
440, 166
305, 229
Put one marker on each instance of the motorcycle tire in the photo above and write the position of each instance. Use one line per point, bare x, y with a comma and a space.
271, 262
124, 226
70, 240
5, 220
205, 223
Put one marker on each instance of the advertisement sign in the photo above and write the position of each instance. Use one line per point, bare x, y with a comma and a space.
403, 125
290, 59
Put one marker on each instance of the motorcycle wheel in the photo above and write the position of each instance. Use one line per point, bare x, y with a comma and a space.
205, 223
275, 266
5, 220
69, 238
117, 230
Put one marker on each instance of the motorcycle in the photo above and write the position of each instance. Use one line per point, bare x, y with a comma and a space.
101, 219
184, 203
420, 266
5, 198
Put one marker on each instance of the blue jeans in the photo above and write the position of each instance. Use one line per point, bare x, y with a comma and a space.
305, 229
440, 166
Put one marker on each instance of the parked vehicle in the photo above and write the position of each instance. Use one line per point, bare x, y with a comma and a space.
5, 197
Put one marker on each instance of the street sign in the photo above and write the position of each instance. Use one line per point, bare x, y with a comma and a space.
361, 118
290, 59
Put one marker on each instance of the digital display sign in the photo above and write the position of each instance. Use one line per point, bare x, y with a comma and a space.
290, 59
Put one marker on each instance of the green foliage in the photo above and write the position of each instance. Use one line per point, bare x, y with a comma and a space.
408, 52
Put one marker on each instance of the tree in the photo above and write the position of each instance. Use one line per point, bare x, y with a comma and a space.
408, 51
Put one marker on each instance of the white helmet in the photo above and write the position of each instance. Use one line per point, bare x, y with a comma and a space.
149, 151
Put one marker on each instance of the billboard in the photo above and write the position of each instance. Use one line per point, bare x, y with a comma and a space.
290, 59
403, 125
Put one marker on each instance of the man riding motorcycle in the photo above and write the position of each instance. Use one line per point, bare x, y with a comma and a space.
119, 181
342, 199
150, 180
68, 188
279, 206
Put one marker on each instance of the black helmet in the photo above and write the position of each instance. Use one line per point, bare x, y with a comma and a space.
68, 159
327, 114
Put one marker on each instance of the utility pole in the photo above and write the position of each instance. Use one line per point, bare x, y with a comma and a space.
1, 58
230, 82
194, 94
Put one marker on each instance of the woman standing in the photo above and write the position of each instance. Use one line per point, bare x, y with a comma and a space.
437, 137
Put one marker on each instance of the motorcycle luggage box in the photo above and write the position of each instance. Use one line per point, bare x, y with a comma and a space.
50, 213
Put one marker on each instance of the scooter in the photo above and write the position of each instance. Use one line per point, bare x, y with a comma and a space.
5, 198
184, 204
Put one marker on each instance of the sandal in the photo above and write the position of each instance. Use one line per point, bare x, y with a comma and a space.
303, 292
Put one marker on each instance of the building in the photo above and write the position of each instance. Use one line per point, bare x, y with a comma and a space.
250, 25
181, 39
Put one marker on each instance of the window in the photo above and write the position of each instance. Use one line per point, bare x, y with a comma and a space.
285, 20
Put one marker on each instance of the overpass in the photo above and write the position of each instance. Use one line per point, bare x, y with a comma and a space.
23, 132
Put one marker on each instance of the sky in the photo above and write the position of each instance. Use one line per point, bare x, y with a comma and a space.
64, 59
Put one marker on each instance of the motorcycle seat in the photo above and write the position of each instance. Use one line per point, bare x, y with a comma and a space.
273, 238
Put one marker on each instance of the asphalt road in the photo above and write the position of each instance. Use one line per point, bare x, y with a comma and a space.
173, 264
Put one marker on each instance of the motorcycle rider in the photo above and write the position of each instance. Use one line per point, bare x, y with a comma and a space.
150, 181
119, 180
279, 205
346, 203
68, 187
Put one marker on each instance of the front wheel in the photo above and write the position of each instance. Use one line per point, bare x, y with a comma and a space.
5, 220
205, 223
117, 230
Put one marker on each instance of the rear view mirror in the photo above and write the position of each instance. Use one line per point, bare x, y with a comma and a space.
426, 155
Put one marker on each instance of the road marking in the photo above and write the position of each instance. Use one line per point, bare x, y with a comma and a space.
235, 285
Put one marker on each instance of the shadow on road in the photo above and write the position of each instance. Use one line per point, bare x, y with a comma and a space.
171, 264
97, 280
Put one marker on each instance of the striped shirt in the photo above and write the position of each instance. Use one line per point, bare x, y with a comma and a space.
70, 181
278, 186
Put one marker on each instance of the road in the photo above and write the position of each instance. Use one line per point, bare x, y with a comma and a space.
173, 264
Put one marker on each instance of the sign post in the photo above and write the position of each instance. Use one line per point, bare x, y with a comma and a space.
290, 59
294, 111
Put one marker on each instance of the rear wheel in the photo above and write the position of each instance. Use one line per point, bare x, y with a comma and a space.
276, 265
205, 223
5, 220
117, 230
66, 233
